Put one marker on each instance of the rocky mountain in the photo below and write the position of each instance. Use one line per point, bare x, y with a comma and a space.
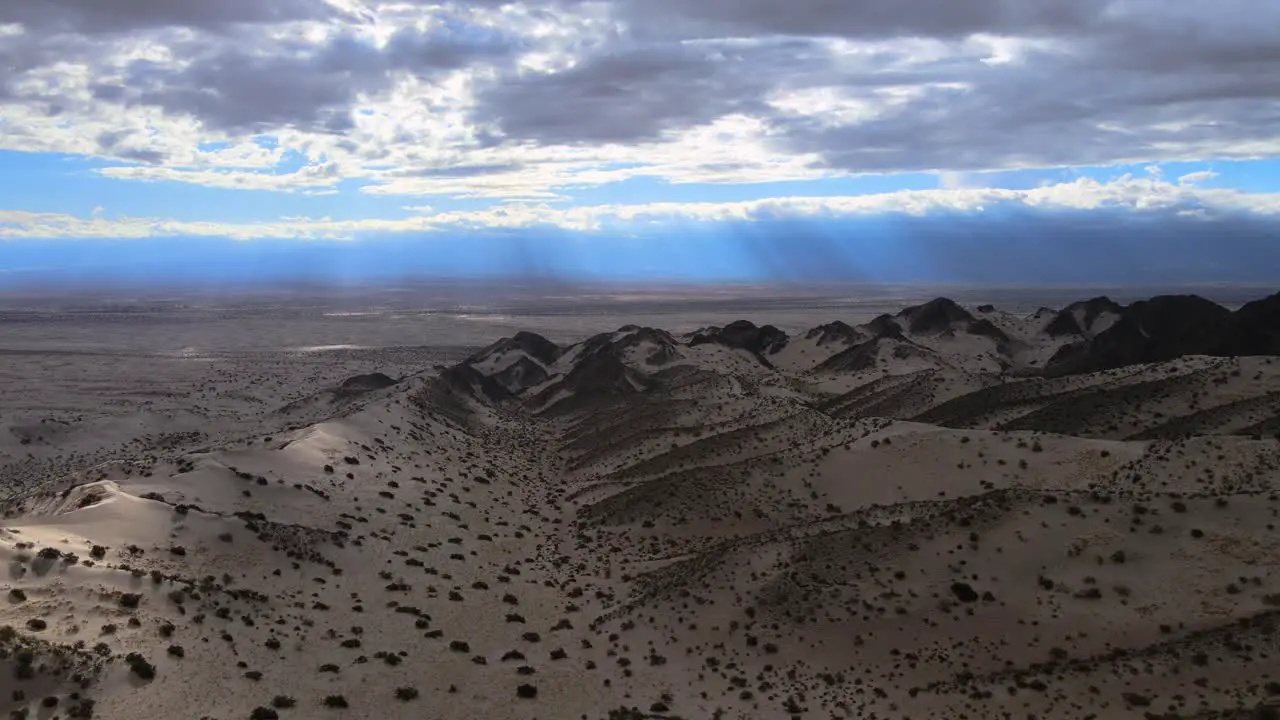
833, 332
1085, 318
530, 344
744, 335
1172, 326
935, 316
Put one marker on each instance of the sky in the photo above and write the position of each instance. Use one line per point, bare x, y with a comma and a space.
978, 141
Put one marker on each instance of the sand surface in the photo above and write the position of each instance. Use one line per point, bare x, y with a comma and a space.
202, 519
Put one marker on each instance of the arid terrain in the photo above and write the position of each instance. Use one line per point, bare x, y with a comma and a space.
946, 510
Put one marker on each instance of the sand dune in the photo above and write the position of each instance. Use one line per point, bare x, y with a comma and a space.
918, 516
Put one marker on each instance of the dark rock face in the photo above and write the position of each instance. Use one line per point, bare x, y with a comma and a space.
885, 326
365, 383
599, 373
467, 381
664, 350
859, 357
1174, 322
986, 308
935, 316
536, 346
744, 335
521, 375
1254, 329
531, 344
863, 356
1171, 326
602, 342
1065, 322
833, 332
595, 375
665, 345
632, 336
1094, 307
986, 328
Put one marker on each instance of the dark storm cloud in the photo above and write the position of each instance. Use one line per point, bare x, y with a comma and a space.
114, 144
250, 86
22, 53
106, 16
1096, 101
866, 19
636, 93
1106, 81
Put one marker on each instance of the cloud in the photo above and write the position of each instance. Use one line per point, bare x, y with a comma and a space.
1197, 177
636, 94
113, 16
1125, 198
539, 100
864, 19
310, 178
256, 85
964, 86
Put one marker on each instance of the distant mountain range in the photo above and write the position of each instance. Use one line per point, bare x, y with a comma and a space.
1083, 337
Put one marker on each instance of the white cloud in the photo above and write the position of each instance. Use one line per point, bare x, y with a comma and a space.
557, 96
1197, 177
310, 177
1125, 194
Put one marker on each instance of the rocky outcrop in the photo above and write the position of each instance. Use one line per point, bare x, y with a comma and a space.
935, 316
744, 335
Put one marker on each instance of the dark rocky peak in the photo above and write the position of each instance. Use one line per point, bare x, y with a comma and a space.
1177, 317
614, 344
664, 345
537, 347
635, 334
1162, 328
1078, 318
884, 326
744, 335
1254, 329
593, 377
1093, 308
531, 344
596, 344
834, 332
935, 316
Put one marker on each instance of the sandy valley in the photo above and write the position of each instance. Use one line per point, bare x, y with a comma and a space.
946, 510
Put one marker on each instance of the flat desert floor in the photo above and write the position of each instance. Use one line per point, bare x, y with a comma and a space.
635, 507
